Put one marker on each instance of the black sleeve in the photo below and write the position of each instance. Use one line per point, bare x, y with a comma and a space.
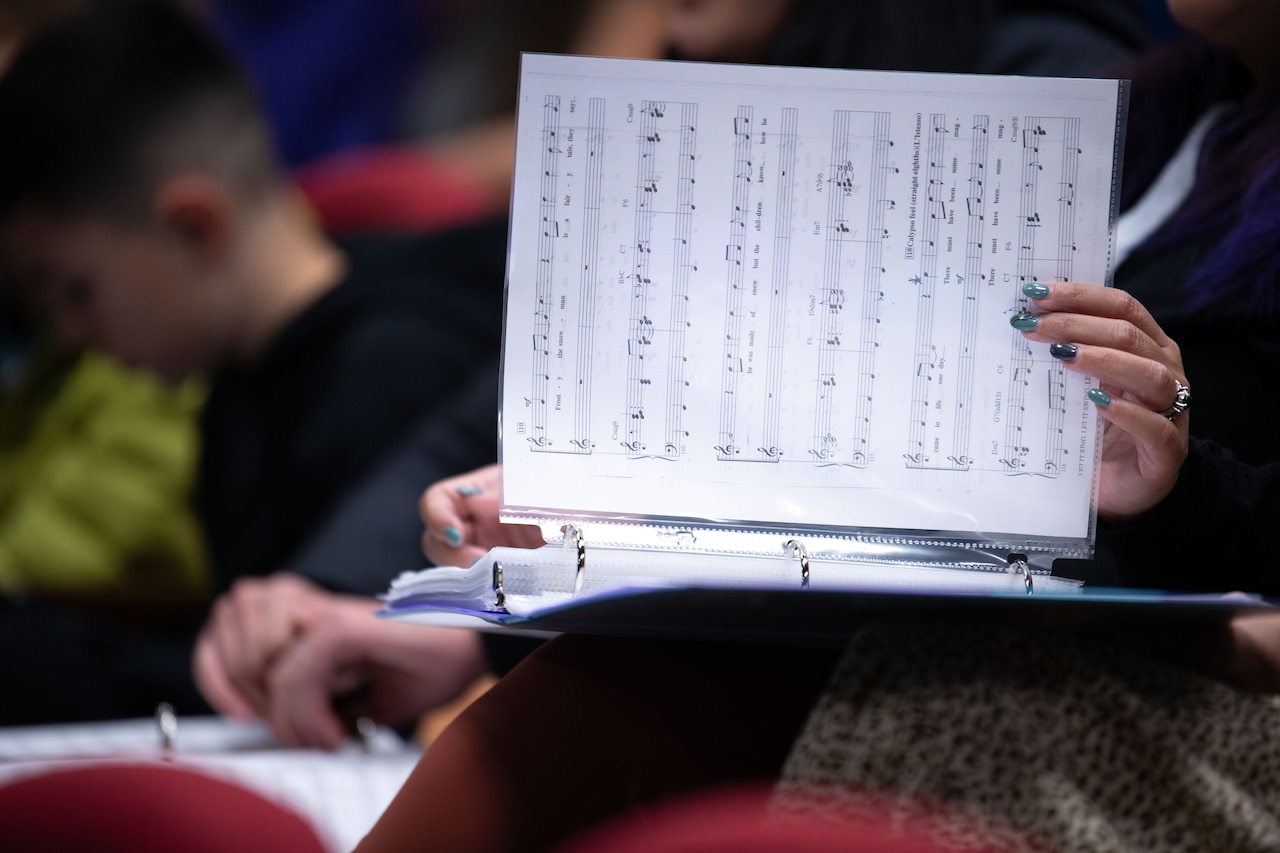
1209, 534
1062, 40
376, 533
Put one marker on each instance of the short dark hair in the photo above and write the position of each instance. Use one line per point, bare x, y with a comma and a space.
103, 103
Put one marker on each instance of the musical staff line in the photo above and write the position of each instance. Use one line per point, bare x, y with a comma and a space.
853, 131
1035, 423
873, 270
920, 451
681, 269
545, 277
961, 455
771, 442
656, 290
735, 260
1055, 450
596, 135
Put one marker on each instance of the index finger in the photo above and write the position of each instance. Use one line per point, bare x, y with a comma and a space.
1075, 298
300, 711
449, 537
214, 685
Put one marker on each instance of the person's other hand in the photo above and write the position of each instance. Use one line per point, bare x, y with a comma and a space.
249, 627
1255, 659
1244, 653
461, 518
345, 663
1107, 334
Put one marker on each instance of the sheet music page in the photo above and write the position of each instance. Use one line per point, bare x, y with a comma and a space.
780, 295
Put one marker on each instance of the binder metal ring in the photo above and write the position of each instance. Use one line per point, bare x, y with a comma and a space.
573, 536
793, 547
1018, 563
500, 600
167, 723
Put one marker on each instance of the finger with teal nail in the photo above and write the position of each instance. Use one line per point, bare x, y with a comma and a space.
1035, 290
453, 536
1098, 397
470, 491
1024, 322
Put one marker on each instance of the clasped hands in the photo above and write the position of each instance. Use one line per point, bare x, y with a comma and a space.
310, 663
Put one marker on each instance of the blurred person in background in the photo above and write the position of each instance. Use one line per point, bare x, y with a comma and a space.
142, 205
97, 463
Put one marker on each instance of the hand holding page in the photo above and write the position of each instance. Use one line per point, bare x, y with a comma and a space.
748, 306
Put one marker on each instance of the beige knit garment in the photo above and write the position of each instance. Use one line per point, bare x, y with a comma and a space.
1036, 741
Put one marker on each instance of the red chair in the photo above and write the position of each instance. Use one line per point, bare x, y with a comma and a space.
737, 821
389, 188
144, 808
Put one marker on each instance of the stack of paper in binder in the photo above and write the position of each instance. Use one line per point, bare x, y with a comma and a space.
757, 355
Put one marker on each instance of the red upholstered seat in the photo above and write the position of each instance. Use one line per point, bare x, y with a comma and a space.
736, 821
142, 808
389, 188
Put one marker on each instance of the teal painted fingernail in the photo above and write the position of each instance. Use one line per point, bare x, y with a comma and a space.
469, 491
1064, 352
1099, 397
1035, 290
1024, 322
452, 536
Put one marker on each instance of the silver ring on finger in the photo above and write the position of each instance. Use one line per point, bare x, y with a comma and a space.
1181, 402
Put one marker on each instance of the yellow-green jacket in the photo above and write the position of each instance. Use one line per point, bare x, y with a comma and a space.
96, 470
